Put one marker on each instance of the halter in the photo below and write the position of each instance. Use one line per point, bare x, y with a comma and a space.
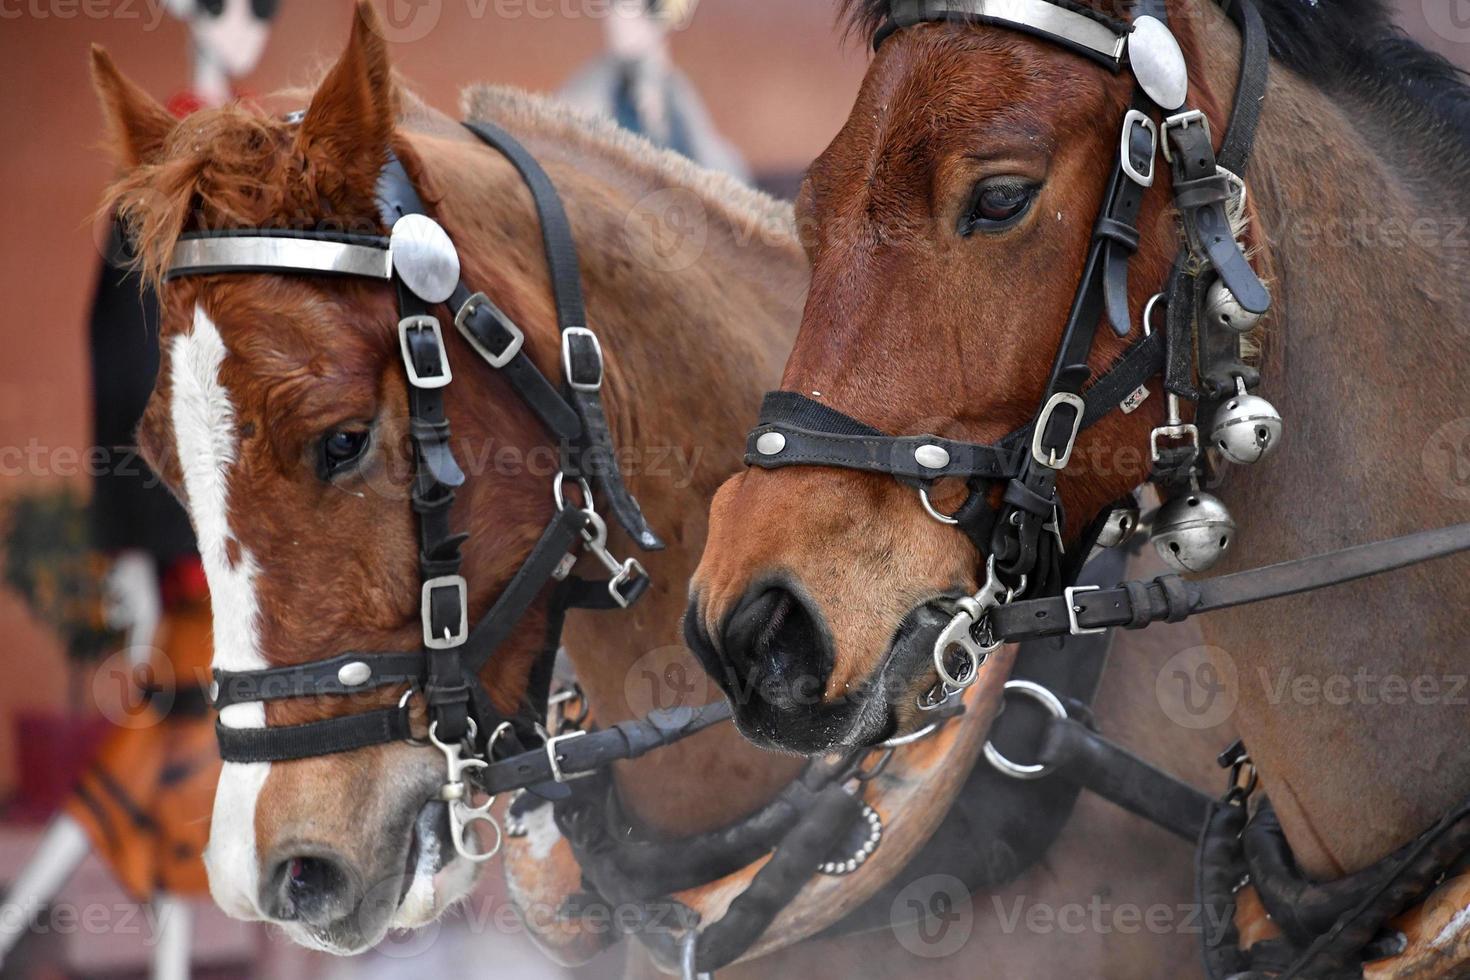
420, 261
1023, 535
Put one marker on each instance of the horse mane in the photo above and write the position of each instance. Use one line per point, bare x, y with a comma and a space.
1351, 47
522, 111
233, 167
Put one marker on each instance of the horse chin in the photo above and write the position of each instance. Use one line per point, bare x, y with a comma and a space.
437, 877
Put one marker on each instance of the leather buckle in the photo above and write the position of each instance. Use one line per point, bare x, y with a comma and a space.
1183, 120
555, 763
429, 381
1046, 456
426, 611
1133, 119
517, 336
581, 383
1069, 594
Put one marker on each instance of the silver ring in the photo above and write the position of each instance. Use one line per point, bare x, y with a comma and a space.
1148, 313
1047, 700
559, 496
929, 508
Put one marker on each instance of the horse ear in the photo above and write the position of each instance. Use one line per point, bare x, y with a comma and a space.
138, 123
350, 119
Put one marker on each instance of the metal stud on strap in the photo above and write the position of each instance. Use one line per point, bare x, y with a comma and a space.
495, 359
578, 380
437, 376
445, 639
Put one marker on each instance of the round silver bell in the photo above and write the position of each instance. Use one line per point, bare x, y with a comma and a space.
1246, 428
1192, 532
1222, 309
1120, 525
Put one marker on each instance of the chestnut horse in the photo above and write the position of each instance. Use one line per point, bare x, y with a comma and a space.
262, 374
949, 221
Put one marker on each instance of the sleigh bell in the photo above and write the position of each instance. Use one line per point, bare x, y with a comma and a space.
1246, 429
1223, 310
1193, 531
1119, 526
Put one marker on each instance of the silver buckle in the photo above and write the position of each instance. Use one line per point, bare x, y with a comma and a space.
566, 358
451, 640
414, 378
1070, 594
1133, 118
556, 773
1051, 459
1183, 120
517, 336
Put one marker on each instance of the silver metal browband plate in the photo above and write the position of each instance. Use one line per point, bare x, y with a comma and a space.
202, 256
1034, 16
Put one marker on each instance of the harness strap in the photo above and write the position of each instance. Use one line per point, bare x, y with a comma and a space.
581, 351
576, 755
1117, 775
1171, 598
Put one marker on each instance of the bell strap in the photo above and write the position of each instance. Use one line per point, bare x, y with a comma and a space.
1170, 598
582, 353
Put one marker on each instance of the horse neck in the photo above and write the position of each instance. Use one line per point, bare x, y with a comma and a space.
694, 332
1367, 247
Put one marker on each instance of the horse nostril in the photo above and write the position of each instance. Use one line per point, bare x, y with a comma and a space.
312, 888
775, 638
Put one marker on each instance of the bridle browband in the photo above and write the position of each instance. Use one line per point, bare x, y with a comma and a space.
1199, 358
419, 259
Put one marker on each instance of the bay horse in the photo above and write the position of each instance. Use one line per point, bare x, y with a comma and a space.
268, 379
947, 223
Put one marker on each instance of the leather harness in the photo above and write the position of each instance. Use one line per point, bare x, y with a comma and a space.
486, 751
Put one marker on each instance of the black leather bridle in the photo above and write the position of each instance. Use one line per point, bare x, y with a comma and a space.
419, 259
1029, 586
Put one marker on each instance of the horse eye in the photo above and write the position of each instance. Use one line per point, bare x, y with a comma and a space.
996, 205
340, 449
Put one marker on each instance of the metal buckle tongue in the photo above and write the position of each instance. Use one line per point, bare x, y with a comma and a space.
458, 795
960, 633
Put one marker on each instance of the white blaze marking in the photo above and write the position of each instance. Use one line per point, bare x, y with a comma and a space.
204, 433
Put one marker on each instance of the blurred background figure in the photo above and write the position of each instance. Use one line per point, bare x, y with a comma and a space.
637, 85
143, 800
